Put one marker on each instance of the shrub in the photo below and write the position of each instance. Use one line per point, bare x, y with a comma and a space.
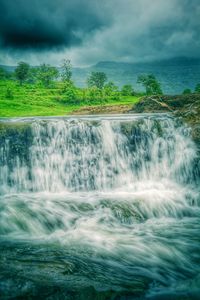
111, 91
127, 90
197, 88
70, 94
9, 93
187, 91
94, 94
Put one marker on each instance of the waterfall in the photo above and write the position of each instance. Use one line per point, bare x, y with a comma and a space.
74, 155
117, 193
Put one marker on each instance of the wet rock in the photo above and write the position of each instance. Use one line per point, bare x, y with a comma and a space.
186, 107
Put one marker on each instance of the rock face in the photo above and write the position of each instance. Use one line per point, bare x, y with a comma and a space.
186, 107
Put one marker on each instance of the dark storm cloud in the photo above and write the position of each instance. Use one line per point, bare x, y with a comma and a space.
146, 30
48, 23
88, 31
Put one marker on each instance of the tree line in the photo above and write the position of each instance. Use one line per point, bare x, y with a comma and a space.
98, 85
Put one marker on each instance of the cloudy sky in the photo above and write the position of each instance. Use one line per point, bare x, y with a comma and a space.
88, 31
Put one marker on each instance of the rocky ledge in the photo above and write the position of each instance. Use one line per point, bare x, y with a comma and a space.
186, 107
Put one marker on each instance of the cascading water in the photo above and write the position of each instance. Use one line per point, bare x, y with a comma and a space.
99, 208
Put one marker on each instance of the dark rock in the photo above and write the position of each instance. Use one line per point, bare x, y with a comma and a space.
187, 107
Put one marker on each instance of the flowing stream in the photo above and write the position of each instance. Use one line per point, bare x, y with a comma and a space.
103, 207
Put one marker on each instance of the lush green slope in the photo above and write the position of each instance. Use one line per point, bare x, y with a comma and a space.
35, 100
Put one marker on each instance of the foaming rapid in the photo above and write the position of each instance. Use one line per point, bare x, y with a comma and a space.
103, 206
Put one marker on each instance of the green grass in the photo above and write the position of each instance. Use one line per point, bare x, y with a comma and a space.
35, 100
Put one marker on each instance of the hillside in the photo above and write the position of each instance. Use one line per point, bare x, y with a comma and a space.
36, 100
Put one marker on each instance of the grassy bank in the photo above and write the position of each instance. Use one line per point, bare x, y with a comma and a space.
36, 100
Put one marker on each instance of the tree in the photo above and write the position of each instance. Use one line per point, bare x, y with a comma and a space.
33, 75
46, 74
187, 91
97, 79
150, 83
197, 88
127, 90
66, 70
9, 93
22, 72
111, 91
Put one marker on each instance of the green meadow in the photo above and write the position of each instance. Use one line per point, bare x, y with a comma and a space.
36, 100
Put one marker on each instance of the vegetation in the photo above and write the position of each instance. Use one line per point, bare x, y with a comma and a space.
4, 74
38, 100
22, 72
45, 90
97, 79
127, 90
66, 70
111, 91
150, 83
46, 74
197, 88
187, 91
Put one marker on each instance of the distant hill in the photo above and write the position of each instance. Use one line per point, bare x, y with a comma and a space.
8, 68
112, 65
175, 74
164, 62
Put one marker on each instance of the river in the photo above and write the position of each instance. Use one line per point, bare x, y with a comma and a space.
99, 207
